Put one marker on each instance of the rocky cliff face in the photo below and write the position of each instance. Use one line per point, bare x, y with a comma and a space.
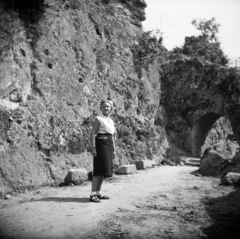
58, 59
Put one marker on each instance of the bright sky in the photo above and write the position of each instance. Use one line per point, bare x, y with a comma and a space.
174, 17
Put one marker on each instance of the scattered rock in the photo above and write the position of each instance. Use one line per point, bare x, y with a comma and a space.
231, 179
232, 165
126, 169
190, 161
76, 176
211, 163
154, 163
167, 162
2, 191
7, 196
61, 184
143, 164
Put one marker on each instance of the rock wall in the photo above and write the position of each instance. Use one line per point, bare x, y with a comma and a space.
58, 59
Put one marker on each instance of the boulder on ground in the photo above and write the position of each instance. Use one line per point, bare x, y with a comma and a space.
167, 162
2, 191
154, 163
231, 179
126, 169
76, 176
143, 164
231, 165
210, 164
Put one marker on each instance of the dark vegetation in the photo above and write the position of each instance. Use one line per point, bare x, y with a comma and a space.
206, 46
28, 10
148, 49
205, 55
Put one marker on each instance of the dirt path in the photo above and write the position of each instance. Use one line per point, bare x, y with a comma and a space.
162, 202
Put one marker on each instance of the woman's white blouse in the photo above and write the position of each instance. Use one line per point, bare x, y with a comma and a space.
106, 125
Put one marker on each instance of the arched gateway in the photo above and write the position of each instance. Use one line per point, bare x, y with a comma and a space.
200, 131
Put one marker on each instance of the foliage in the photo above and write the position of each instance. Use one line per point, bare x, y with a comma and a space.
208, 28
230, 85
206, 46
148, 49
26, 8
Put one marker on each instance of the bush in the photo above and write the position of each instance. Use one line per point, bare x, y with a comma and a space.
147, 50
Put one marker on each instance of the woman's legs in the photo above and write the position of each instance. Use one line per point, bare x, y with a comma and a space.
95, 180
99, 185
101, 196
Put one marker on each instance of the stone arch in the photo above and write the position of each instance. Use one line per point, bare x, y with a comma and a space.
195, 94
200, 131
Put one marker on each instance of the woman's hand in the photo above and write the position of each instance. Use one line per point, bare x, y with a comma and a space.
94, 152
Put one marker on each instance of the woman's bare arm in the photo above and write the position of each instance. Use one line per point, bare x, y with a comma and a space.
95, 128
113, 145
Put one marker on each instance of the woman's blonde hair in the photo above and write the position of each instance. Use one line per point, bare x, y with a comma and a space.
107, 101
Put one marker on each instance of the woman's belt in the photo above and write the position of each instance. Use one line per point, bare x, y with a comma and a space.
100, 134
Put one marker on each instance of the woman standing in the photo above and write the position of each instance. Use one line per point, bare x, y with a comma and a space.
103, 149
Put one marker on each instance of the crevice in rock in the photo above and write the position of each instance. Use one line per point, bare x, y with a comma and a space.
4, 124
80, 80
35, 88
30, 12
95, 26
23, 53
46, 52
49, 65
51, 172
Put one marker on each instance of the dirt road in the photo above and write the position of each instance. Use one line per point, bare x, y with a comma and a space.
162, 202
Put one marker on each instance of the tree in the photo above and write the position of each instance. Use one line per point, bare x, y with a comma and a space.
206, 46
208, 28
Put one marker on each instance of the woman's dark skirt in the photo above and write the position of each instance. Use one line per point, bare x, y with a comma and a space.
103, 163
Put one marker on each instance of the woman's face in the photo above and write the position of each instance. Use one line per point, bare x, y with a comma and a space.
106, 108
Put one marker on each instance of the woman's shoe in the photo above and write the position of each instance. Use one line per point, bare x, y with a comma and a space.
102, 196
94, 198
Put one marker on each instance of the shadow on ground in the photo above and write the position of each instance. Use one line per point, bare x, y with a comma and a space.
63, 199
225, 213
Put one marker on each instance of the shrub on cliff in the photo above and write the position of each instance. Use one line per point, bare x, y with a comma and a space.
206, 46
147, 50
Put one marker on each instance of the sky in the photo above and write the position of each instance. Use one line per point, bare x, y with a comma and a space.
173, 18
